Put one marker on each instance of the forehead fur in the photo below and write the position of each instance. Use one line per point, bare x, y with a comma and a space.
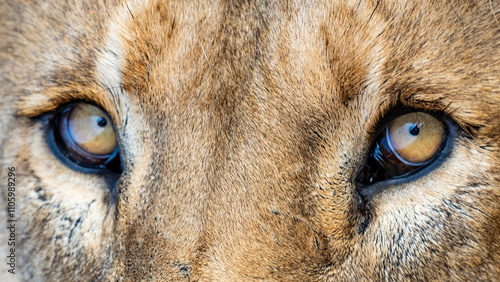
173, 54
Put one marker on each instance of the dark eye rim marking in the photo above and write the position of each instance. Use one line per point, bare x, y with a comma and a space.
112, 168
367, 190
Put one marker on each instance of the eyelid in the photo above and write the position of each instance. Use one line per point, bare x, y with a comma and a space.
387, 115
53, 100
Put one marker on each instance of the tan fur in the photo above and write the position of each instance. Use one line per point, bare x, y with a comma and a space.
243, 126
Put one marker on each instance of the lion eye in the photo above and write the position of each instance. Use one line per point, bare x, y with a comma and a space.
410, 142
415, 138
85, 135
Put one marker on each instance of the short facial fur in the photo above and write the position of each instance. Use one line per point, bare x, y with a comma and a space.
243, 127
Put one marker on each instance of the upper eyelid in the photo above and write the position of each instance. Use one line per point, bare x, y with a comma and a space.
53, 99
61, 106
393, 112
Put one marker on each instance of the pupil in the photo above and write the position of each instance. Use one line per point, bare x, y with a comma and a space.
102, 122
414, 130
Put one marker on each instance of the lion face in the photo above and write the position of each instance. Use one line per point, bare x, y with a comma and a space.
307, 140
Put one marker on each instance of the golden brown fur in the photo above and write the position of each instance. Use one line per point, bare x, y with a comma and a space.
243, 126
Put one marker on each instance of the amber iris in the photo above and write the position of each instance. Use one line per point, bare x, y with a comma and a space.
85, 134
415, 137
408, 143
91, 130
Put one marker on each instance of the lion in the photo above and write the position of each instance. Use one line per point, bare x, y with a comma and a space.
250, 140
